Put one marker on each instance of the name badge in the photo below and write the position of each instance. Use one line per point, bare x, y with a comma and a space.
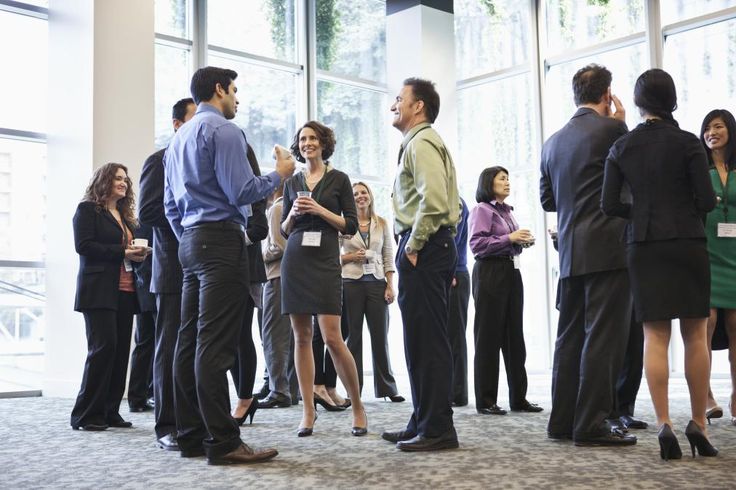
128, 265
311, 238
727, 230
517, 262
369, 268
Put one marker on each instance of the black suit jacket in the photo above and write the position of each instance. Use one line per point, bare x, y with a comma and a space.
166, 273
98, 240
146, 300
572, 171
256, 230
666, 170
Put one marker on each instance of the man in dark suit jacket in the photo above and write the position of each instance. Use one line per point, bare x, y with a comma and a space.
166, 283
595, 303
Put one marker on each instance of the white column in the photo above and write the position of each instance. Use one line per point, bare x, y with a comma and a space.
101, 89
420, 42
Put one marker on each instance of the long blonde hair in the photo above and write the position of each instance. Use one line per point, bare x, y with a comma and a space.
371, 209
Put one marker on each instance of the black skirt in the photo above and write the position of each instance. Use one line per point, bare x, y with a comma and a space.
669, 279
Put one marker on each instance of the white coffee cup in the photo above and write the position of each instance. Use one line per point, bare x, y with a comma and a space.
140, 242
370, 255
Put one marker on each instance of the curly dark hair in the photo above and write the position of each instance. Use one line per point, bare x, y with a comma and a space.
326, 138
99, 191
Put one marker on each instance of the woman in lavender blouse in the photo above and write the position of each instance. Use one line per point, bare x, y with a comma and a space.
498, 293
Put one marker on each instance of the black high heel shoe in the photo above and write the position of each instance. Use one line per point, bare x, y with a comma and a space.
395, 398
307, 431
361, 431
327, 405
669, 448
250, 412
697, 439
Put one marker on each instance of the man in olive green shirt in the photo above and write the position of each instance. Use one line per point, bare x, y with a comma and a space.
426, 205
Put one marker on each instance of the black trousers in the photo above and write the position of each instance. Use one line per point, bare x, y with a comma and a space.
324, 367
168, 321
424, 293
365, 300
456, 327
629, 379
215, 266
108, 348
140, 384
498, 294
246, 362
595, 318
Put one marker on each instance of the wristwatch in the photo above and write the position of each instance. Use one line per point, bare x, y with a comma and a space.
410, 250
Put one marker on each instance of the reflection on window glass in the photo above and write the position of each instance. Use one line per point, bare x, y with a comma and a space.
23, 200
676, 10
23, 50
578, 23
351, 38
359, 118
495, 127
267, 110
172, 84
22, 328
261, 27
625, 64
172, 18
703, 64
490, 35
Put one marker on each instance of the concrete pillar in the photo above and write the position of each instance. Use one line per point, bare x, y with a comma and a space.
420, 42
101, 90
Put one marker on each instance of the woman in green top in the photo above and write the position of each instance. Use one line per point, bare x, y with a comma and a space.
718, 135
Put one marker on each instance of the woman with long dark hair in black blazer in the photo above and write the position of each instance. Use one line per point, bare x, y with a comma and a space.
103, 236
666, 171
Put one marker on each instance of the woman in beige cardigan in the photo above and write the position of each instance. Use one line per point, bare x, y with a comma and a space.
367, 273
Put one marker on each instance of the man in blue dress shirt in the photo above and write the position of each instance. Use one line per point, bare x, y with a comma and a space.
209, 188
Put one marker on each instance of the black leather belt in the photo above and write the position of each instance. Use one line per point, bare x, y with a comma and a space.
496, 257
219, 225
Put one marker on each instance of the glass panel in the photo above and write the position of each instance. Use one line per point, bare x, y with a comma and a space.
499, 114
703, 64
351, 38
172, 84
579, 23
359, 119
490, 35
22, 327
625, 64
37, 3
172, 18
261, 27
266, 114
22, 200
24, 54
677, 10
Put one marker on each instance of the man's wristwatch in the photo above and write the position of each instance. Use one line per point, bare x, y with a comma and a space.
410, 250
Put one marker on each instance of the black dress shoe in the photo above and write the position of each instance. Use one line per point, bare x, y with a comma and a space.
492, 410
117, 421
630, 422
614, 438
168, 442
91, 427
448, 440
274, 400
395, 398
527, 407
399, 435
559, 436
244, 454
144, 407
263, 392
460, 403
194, 452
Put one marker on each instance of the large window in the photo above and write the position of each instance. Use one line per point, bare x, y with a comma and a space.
23, 49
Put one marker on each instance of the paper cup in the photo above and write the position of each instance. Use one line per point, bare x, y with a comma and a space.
303, 194
140, 242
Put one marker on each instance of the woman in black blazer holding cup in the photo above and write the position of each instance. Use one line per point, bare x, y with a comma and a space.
666, 171
103, 238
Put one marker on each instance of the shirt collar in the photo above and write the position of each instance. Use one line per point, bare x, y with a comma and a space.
501, 205
205, 107
414, 131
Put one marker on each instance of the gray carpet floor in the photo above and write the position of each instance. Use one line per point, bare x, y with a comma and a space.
39, 450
